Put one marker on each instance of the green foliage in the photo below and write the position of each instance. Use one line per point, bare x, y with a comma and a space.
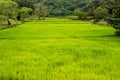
64, 7
115, 22
114, 19
93, 5
117, 33
26, 3
41, 10
55, 7
116, 12
100, 13
8, 10
24, 13
2, 17
101, 9
80, 14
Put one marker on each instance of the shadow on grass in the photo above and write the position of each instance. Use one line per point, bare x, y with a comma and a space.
5, 26
110, 38
10, 78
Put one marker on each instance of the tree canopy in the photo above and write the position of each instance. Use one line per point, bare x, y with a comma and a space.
8, 9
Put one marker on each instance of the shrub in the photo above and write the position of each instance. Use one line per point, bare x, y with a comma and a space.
100, 13
115, 22
117, 33
81, 15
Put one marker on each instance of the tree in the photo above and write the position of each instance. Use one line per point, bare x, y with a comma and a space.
114, 10
8, 9
41, 10
100, 13
80, 14
23, 13
64, 7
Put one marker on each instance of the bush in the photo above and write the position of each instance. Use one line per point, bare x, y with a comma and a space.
100, 13
117, 33
115, 22
81, 15
14, 23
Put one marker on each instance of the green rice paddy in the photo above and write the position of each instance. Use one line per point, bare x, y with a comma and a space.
59, 49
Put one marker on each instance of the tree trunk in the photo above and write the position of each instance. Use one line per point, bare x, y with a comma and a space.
39, 17
18, 18
9, 23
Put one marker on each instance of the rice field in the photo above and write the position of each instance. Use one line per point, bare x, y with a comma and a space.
59, 49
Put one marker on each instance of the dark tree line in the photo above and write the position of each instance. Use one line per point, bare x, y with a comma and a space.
64, 7
20, 9
108, 10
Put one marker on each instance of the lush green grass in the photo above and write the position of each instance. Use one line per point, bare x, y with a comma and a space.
59, 49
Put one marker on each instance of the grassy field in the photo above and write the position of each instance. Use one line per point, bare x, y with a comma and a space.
59, 49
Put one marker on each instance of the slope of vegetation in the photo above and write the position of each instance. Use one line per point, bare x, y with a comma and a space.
59, 49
